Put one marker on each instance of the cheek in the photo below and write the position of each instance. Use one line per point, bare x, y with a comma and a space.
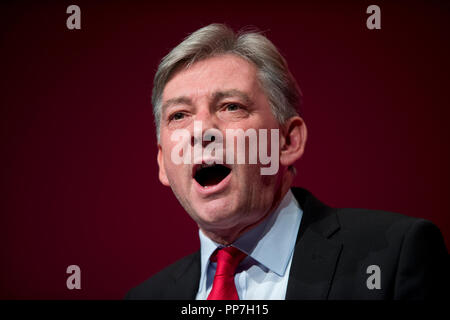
250, 180
171, 168
177, 174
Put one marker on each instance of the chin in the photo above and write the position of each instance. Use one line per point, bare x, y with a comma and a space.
216, 212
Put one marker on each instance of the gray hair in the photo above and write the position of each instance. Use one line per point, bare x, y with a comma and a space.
216, 39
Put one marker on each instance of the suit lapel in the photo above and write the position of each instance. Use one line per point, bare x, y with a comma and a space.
312, 268
315, 254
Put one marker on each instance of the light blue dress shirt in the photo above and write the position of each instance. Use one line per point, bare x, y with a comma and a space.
264, 273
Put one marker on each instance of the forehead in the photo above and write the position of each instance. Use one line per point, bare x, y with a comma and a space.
204, 78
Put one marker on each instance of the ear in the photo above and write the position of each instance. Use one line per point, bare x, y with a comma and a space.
293, 141
162, 170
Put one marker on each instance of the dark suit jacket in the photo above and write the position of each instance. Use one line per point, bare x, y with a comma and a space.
333, 250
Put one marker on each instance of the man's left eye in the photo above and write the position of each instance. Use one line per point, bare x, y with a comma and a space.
232, 107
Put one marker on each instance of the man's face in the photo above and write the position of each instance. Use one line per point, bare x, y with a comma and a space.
222, 93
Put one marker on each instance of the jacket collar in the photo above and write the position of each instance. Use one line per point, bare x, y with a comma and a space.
316, 254
313, 265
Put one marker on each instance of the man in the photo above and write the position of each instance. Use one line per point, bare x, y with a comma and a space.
260, 238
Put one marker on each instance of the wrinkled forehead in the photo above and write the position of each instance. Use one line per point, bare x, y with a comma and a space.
209, 77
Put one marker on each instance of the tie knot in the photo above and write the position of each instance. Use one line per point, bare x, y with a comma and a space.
228, 259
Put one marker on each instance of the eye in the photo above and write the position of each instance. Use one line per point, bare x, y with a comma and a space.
232, 107
177, 116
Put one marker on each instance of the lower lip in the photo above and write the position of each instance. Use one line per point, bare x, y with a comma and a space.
213, 189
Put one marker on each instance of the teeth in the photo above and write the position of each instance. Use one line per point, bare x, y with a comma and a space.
205, 165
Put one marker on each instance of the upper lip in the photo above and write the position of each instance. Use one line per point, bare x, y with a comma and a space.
197, 166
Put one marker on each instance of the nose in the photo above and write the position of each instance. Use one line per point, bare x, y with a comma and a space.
205, 129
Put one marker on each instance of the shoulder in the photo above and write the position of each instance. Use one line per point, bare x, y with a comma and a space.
363, 230
155, 287
381, 228
369, 224
375, 229
373, 221
410, 252
357, 223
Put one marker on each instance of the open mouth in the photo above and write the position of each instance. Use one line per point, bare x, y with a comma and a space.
208, 175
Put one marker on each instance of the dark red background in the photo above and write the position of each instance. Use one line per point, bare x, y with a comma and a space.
79, 175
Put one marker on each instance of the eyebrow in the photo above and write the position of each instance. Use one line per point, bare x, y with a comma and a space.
178, 100
216, 97
219, 95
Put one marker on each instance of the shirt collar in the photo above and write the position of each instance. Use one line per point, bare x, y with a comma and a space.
270, 243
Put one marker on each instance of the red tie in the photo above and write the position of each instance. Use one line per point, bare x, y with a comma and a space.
228, 259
